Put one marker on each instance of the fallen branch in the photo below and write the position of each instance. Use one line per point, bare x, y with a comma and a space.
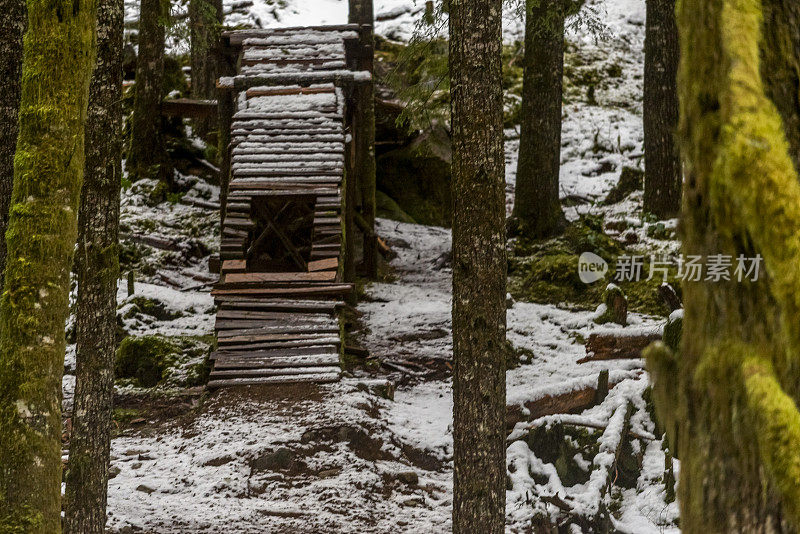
383, 248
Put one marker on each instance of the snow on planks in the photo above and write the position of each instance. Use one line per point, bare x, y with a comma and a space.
279, 323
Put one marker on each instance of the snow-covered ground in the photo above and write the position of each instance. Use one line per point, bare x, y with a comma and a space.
339, 457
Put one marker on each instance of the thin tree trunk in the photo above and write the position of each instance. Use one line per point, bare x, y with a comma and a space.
97, 263
729, 399
48, 170
362, 12
146, 153
663, 175
479, 267
205, 17
12, 26
537, 209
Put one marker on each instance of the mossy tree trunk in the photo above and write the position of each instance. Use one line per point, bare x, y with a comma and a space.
12, 26
729, 399
97, 266
663, 175
146, 152
58, 59
537, 209
479, 267
205, 19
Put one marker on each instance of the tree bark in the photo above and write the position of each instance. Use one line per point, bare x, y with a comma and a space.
479, 267
663, 174
97, 263
537, 209
781, 68
58, 59
362, 12
146, 152
205, 18
729, 399
12, 27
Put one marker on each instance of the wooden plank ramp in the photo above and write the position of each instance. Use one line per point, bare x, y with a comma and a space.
280, 292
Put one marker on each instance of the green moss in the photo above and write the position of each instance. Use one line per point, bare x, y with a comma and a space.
152, 308
167, 362
616, 307
387, 208
144, 359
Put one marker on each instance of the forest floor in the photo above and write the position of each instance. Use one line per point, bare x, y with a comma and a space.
350, 456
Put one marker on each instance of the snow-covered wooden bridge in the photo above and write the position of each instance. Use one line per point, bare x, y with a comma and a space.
285, 104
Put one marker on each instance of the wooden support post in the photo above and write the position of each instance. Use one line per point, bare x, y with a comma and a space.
226, 106
348, 198
362, 13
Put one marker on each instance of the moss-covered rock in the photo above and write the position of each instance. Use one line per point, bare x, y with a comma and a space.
149, 361
144, 359
387, 208
151, 307
547, 271
615, 306
417, 177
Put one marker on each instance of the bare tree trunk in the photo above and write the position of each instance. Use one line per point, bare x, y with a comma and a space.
58, 58
479, 267
362, 12
729, 399
146, 153
205, 18
12, 26
97, 263
537, 209
663, 174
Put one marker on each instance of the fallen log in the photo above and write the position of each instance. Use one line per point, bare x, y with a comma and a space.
617, 346
570, 402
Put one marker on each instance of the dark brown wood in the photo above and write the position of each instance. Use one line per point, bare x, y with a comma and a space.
191, 108
617, 346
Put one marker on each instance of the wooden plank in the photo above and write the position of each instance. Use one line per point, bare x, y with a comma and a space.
236, 313
322, 289
234, 278
320, 378
262, 354
187, 107
279, 361
234, 266
271, 371
242, 328
274, 305
276, 91
324, 265
271, 345
271, 336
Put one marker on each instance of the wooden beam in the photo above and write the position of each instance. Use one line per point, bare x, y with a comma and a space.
187, 107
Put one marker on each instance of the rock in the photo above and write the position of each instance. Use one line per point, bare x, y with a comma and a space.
136, 465
113, 471
327, 473
145, 489
417, 177
410, 478
280, 459
509, 301
221, 460
412, 502
145, 457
